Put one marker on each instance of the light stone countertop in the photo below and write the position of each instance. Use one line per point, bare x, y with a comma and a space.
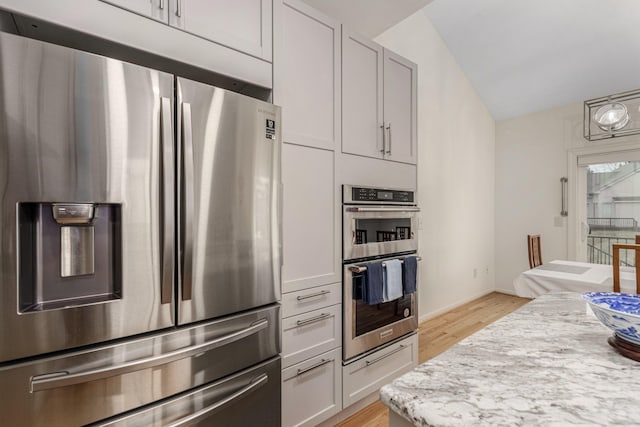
546, 364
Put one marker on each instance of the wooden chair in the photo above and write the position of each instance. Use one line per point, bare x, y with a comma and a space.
361, 236
535, 255
616, 265
385, 236
403, 233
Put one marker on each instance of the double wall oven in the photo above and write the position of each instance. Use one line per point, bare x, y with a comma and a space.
379, 225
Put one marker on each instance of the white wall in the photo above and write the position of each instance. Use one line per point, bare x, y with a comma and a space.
456, 137
531, 157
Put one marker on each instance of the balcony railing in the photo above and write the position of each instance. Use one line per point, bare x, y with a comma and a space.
612, 223
599, 250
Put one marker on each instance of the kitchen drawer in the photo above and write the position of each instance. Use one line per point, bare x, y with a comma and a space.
312, 390
369, 373
310, 334
299, 302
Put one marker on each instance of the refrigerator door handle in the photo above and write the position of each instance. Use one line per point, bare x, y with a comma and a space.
166, 291
252, 386
188, 207
62, 379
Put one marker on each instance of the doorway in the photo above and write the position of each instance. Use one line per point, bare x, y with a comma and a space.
607, 205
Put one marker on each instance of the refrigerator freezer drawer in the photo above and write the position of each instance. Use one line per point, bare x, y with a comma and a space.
90, 385
248, 398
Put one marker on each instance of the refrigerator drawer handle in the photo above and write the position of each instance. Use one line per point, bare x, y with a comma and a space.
384, 356
166, 288
49, 381
317, 294
255, 384
381, 209
322, 362
313, 319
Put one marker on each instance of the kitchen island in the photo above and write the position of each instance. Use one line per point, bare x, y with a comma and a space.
548, 363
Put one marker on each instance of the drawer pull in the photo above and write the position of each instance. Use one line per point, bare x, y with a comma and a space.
318, 294
322, 362
384, 356
313, 319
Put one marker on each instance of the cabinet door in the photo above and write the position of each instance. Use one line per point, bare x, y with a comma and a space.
307, 76
156, 9
310, 216
361, 96
311, 390
400, 108
244, 25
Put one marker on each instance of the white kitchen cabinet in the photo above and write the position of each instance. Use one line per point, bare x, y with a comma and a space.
309, 334
307, 76
295, 303
367, 374
242, 25
155, 9
379, 101
400, 108
312, 390
311, 218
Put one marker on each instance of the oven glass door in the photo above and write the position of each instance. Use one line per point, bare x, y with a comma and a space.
379, 230
369, 318
368, 326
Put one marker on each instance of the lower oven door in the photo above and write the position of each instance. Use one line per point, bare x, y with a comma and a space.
369, 326
377, 230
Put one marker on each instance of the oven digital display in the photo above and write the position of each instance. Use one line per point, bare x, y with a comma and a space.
385, 195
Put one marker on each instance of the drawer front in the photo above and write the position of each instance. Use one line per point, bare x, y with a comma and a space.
369, 373
295, 303
224, 402
310, 334
312, 390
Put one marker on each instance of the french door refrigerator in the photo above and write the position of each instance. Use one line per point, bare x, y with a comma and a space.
140, 245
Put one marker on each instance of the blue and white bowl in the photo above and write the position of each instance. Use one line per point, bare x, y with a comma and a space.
617, 311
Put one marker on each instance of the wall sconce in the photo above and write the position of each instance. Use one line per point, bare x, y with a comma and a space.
612, 116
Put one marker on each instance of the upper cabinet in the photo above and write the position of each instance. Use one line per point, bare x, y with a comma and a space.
307, 75
379, 101
243, 25
156, 9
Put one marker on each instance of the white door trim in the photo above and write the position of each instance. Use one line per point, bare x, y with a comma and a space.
573, 224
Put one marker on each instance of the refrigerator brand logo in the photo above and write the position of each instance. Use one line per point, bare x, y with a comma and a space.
270, 129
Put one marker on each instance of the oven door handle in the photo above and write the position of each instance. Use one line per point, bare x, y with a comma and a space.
65, 378
383, 209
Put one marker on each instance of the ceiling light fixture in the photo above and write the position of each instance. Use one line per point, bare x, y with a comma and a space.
612, 116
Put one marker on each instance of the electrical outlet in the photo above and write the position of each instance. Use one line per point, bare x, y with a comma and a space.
475, 273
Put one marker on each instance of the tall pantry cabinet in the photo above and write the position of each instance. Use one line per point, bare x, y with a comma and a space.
343, 98
307, 86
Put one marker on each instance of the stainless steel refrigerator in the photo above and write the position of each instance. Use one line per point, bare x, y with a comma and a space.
140, 245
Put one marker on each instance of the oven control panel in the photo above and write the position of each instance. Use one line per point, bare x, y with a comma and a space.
368, 194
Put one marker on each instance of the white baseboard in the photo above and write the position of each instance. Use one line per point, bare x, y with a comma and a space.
458, 303
507, 291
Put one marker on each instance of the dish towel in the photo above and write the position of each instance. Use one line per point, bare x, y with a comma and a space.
409, 270
372, 287
392, 280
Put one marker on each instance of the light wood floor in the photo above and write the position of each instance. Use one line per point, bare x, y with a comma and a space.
438, 334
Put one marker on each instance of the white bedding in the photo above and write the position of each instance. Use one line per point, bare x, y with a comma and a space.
572, 276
